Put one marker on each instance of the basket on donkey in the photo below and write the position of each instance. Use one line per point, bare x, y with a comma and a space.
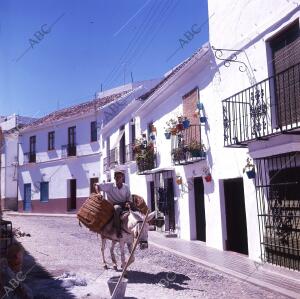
95, 213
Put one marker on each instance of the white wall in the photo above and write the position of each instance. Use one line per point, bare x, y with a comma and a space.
51, 166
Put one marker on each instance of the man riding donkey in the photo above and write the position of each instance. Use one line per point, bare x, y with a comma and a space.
119, 195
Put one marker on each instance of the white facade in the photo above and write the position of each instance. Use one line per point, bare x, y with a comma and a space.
233, 26
68, 175
9, 158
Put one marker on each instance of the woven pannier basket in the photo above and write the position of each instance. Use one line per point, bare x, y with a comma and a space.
139, 203
95, 212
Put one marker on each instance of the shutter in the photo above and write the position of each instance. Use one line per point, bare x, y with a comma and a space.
286, 60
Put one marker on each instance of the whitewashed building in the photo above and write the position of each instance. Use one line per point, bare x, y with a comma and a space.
59, 154
9, 158
242, 87
257, 77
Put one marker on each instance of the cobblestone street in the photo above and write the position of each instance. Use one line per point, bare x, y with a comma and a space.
65, 261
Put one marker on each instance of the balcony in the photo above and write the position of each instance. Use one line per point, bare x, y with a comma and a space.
145, 157
113, 157
68, 150
29, 157
270, 107
187, 147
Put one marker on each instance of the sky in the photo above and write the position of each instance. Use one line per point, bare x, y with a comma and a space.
54, 54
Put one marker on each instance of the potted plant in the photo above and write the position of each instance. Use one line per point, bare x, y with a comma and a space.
178, 180
178, 154
203, 119
171, 127
196, 149
186, 123
200, 106
249, 169
207, 174
145, 157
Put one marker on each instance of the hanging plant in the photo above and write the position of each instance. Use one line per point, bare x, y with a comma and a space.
249, 169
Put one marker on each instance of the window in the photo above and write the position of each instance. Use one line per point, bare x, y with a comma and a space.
92, 182
32, 144
72, 141
51, 140
44, 191
32, 149
72, 136
94, 131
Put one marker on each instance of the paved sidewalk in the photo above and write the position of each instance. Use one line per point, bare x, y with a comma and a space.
278, 279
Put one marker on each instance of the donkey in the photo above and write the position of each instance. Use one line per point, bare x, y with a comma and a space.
131, 227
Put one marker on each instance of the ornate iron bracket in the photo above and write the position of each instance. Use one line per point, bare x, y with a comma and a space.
233, 58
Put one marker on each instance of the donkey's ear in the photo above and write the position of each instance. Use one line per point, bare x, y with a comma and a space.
150, 216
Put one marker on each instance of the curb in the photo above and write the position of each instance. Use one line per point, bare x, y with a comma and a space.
38, 214
245, 278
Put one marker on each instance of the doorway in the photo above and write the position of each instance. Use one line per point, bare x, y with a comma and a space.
236, 224
200, 209
72, 195
27, 197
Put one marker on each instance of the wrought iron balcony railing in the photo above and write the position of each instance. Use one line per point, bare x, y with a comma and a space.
68, 150
187, 146
29, 157
113, 157
270, 107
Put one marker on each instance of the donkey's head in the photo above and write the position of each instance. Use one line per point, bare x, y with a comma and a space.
135, 222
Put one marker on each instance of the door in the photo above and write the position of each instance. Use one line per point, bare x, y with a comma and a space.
72, 198
236, 225
27, 197
200, 209
170, 203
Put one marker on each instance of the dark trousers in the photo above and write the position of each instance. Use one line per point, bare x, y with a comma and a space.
117, 221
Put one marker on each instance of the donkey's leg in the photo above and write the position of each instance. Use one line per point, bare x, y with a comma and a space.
129, 246
103, 243
122, 249
112, 254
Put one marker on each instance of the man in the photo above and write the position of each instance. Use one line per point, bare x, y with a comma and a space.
118, 194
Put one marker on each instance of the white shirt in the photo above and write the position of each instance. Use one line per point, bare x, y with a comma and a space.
114, 194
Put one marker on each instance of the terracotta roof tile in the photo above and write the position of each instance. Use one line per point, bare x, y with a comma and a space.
75, 110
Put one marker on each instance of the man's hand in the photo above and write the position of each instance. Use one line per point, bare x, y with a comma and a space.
128, 205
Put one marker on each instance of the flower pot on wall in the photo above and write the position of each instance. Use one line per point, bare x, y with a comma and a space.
251, 174
208, 178
152, 136
173, 131
168, 135
179, 127
186, 123
200, 106
203, 119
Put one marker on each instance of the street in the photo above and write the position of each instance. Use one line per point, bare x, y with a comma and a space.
64, 261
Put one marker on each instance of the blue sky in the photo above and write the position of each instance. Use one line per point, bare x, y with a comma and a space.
92, 42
